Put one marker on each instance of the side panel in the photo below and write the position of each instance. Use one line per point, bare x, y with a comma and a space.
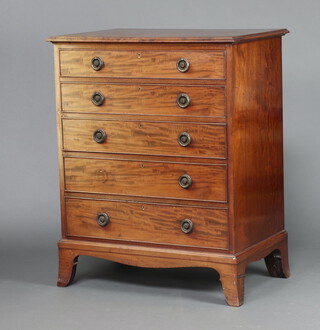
60, 137
257, 150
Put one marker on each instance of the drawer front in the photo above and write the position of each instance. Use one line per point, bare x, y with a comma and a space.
140, 137
144, 99
147, 223
145, 178
143, 64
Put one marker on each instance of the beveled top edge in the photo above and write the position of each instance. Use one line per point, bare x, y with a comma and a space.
170, 36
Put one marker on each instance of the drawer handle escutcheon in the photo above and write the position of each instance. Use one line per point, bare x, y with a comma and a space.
96, 63
185, 181
183, 65
186, 226
99, 135
183, 100
102, 219
97, 98
184, 139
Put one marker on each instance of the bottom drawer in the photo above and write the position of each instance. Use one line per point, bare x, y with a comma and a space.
143, 222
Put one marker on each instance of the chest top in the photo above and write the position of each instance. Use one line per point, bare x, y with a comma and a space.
167, 35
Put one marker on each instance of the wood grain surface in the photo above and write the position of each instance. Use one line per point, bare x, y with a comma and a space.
235, 157
59, 137
231, 267
152, 179
149, 138
144, 64
170, 35
148, 223
144, 99
257, 141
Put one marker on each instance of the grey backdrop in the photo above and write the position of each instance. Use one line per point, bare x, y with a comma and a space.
113, 296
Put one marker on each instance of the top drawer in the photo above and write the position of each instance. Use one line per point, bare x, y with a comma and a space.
143, 64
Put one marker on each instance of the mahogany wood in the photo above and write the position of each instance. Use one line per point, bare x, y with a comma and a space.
231, 267
149, 138
143, 64
60, 137
257, 141
143, 199
169, 35
153, 179
136, 157
67, 267
155, 223
277, 261
144, 99
145, 117
235, 158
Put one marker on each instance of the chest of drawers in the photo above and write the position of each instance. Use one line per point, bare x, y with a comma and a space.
170, 150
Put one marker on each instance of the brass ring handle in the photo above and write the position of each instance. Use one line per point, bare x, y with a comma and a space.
186, 226
185, 181
183, 100
184, 139
97, 63
183, 65
99, 135
97, 98
102, 219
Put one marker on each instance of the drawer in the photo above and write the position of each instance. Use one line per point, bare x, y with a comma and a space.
142, 137
143, 64
143, 222
144, 99
145, 178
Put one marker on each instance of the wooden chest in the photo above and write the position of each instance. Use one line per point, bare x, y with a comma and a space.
170, 150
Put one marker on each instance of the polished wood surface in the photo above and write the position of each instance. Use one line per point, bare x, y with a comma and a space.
143, 64
59, 138
206, 101
231, 267
257, 142
147, 178
149, 138
171, 35
151, 223
234, 159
